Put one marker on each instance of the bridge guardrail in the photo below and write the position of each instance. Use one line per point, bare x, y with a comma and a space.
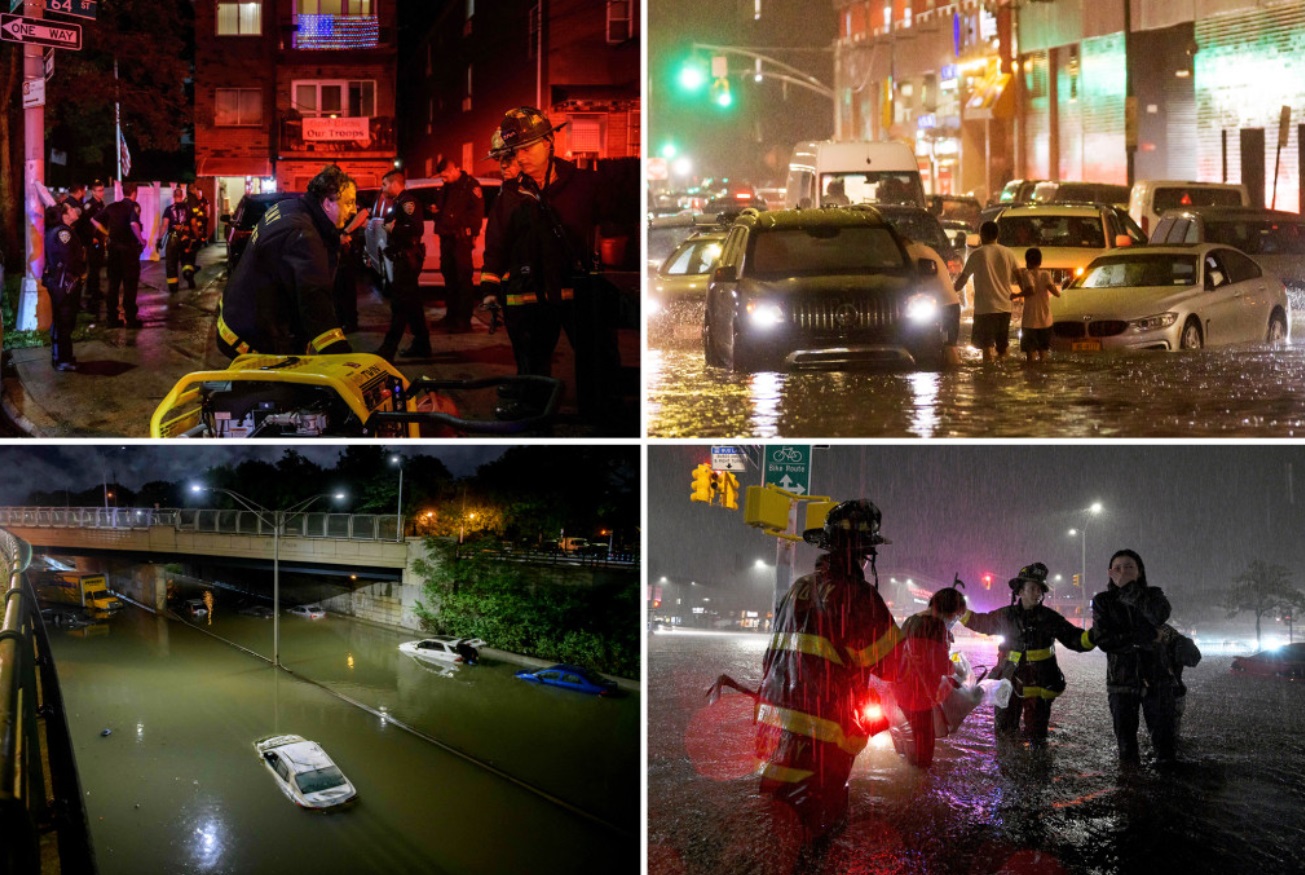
338, 526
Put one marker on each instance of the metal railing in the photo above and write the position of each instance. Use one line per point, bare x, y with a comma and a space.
337, 526
29, 694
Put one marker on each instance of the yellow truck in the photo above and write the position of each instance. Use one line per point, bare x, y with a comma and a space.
89, 591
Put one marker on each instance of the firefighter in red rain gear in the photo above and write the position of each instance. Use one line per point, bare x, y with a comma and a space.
832, 631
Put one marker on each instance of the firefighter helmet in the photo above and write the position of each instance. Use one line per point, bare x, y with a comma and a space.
1037, 572
525, 126
850, 524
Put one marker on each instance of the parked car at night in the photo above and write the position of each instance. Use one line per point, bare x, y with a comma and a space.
956, 208
1081, 192
1275, 240
444, 649
1285, 661
1069, 235
240, 224
679, 289
819, 288
924, 227
1018, 191
570, 677
1152, 198
311, 612
262, 612
304, 772
1170, 297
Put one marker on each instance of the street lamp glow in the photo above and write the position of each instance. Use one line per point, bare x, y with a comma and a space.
682, 166
669, 151
760, 563
1096, 507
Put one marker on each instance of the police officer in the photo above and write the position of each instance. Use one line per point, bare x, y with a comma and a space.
404, 249
458, 219
65, 267
279, 301
198, 233
94, 243
120, 223
176, 235
832, 631
539, 258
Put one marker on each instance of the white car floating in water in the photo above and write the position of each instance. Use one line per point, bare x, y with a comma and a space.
304, 772
444, 650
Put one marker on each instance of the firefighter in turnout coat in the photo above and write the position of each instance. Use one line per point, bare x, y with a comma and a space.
832, 631
1027, 655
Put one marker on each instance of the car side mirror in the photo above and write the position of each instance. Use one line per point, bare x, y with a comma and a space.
726, 274
972, 241
927, 266
1123, 240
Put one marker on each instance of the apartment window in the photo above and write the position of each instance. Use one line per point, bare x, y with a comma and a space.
586, 135
620, 21
238, 108
244, 18
466, 101
334, 97
336, 24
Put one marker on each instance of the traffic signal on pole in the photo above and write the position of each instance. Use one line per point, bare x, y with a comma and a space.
1076, 580
729, 496
692, 76
720, 93
702, 484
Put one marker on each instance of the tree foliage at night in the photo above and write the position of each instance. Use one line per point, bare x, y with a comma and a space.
511, 609
1262, 589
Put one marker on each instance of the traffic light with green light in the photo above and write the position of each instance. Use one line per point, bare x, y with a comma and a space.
702, 484
692, 77
720, 93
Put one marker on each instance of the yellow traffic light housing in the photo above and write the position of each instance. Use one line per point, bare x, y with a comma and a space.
729, 496
1076, 580
816, 511
765, 509
702, 485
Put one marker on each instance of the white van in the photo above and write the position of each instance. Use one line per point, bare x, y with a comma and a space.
826, 172
1150, 198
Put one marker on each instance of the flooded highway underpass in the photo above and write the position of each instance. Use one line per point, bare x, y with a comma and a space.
1233, 804
175, 785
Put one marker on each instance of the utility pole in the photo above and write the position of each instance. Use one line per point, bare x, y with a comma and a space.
33, 173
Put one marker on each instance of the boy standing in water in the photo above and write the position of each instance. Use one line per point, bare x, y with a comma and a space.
1036, 288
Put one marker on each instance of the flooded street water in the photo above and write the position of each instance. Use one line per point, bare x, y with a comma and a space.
1248, 391
1236, 803
176, 786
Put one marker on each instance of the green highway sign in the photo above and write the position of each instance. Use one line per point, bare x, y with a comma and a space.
788, 466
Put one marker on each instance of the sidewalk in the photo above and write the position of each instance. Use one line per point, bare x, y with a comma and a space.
124, 373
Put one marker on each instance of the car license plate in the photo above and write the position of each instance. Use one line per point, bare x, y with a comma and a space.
1086, 346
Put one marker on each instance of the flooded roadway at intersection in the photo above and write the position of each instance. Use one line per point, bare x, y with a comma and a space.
1236, 802
1246, 391
176, 786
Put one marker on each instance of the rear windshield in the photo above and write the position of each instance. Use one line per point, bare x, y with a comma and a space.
827, 249
920, 227
1021, 232
1260, 237
887, 187
1175, 198
1126, 271
318, 780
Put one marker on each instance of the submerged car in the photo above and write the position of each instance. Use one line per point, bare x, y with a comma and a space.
262, 612
1170, 297
571, 677
820, 288
444, 649
1275, 240
1069, 235
678, 290
304, 772
196, 608
1285, 661
311, 612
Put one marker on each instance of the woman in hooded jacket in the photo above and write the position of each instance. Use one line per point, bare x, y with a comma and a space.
1126, 624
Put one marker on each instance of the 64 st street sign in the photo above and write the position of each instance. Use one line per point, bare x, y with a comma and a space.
17, 29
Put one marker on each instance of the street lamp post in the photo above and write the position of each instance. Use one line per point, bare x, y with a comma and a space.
398, 517
1089, 512
279, 519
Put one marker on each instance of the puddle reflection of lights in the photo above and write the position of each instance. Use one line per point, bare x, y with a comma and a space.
140, 732
924, 390
385, 716
208, 844
767, 391
350, 660
653, 362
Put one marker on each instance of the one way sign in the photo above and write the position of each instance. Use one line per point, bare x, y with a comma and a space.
17, 29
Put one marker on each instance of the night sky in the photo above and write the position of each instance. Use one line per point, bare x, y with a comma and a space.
82, 465
1197, 514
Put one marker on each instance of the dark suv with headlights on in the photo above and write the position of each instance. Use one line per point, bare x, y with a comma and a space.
823, 288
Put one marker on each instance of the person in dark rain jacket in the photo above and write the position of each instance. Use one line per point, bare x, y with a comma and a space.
832, 631
925, 669
1126, 624
65, 268
1027, 655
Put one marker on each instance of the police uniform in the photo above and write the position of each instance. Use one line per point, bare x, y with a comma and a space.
93, 243
461, 213
65, 265
124, 260
177, 219
543, 281
406, 252
279, 301
197, 235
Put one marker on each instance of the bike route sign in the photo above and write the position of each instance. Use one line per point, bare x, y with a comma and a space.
788, 466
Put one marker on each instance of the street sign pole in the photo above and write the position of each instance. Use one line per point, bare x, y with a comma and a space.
33, 172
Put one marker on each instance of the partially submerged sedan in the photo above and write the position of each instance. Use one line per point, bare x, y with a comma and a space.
1170, 297
570, 677
304, 772
444, 649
